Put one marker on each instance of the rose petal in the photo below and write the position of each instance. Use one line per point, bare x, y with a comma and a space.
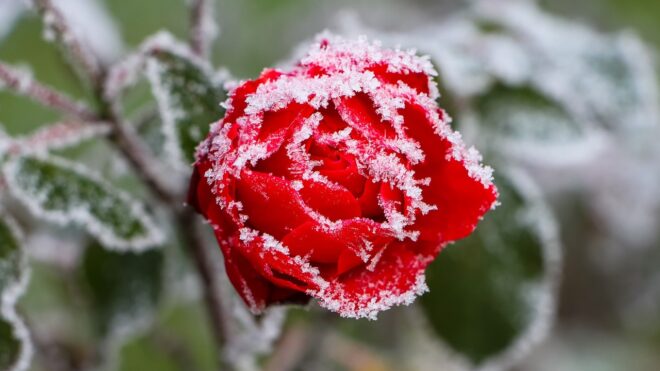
348, 245
418, 81
240, 94
251, 286
461, 200
359, 113
395, 279
271, 204
333, 202
280, 122
369, 201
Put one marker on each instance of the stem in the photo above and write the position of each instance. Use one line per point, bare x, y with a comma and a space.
59, 135
22, 83
299, 344
135, 151
55, 20
202, 29
290, 349
203, 263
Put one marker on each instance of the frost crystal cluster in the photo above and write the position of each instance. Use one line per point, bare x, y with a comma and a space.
339, 179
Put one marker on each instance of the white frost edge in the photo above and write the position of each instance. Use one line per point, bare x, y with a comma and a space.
10, 297
80, 215
60, 135
126, 74
383, 301
543, 295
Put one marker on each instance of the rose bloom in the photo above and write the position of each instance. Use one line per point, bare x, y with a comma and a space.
338, 179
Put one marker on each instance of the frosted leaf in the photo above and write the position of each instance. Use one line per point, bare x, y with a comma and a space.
123, 305
188, 92
492, 294
610, 77
122, 302
600, 78
14, 336
529, 126
66, 193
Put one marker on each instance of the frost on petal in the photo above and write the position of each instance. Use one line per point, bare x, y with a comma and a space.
320, 180
397, 278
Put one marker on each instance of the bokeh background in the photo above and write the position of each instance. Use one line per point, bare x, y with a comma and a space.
606, 210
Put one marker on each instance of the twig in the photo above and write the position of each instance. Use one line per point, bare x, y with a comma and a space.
55, 20
22, 83
204, 265
58, 135
291, 354
202, 27
290, 349
139, 156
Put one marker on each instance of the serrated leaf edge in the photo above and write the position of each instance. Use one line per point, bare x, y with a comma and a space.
544, 293
8, 299
82, 217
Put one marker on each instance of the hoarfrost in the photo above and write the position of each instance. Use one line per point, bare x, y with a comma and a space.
136, 231
543, 295
13, 288
609, 79
60, 135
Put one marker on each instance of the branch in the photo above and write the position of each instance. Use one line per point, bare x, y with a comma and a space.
290, 349
202, 27
293, 353
204, 265
22, 83
55, 21
60, 135
139, 156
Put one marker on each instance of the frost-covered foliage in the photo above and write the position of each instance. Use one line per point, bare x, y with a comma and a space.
65, 193
98, 267
14, 336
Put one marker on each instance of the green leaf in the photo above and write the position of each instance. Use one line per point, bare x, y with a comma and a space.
523, 124
619, 84
522, 114
493, 290
188, 97
124, 288
10, 254
15, 346
63, 193
10, 345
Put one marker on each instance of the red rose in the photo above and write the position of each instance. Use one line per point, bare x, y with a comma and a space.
339, 179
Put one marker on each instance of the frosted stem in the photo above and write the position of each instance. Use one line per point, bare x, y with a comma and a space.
290, 349
202, 27
22, 83
139, 156
203, 263
56, 23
